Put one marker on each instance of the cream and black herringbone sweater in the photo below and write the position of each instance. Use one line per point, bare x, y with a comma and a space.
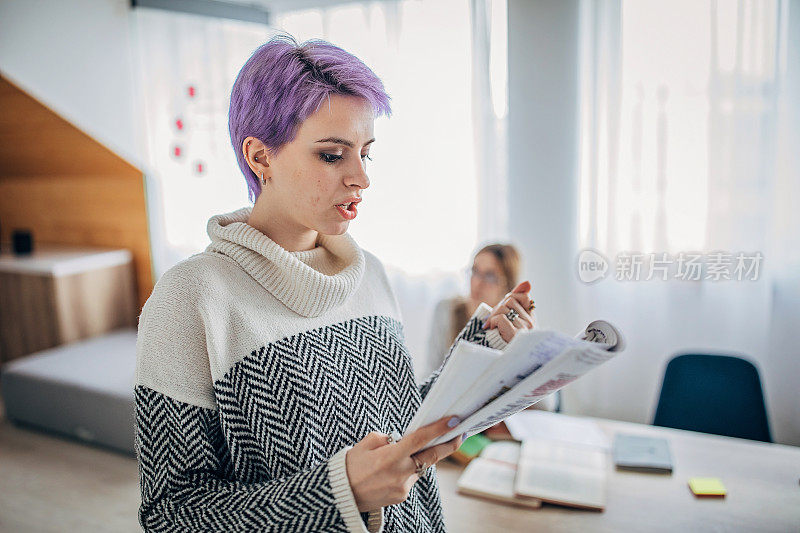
257, 369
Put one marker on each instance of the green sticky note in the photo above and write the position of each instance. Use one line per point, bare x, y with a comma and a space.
473, 446
707, 486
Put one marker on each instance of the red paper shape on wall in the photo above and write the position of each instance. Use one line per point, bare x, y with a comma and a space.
191, 91
179, 124
199, 167
176, 151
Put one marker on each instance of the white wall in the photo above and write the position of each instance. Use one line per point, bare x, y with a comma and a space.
76, 58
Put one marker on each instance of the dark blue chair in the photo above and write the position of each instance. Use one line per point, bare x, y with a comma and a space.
718, 394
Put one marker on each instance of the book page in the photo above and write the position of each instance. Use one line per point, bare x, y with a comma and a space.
504, 451
494, 481
562, 473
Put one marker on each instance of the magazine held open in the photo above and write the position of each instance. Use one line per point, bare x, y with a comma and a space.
482, 386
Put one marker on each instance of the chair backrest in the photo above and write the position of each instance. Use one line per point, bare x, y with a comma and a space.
718, 394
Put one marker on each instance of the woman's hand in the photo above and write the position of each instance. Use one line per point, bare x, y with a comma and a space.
518, 299
382, 474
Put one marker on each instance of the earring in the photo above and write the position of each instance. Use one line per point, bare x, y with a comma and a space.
263, 180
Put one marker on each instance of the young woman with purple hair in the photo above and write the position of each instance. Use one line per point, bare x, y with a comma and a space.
273, 382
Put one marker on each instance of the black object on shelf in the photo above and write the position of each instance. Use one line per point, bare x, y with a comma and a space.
22, 241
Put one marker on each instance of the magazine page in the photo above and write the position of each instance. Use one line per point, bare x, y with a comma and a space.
604, 334
566, 367
478, 384
467, 362
527, 352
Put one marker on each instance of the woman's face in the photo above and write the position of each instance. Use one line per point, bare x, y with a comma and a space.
325, 165
488, 283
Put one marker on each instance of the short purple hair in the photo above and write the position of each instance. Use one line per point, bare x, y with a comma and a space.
283, 83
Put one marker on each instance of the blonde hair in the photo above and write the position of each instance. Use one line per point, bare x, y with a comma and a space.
510, 263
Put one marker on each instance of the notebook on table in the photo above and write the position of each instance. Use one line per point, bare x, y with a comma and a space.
642, 454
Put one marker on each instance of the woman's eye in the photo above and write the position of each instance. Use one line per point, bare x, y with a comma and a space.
329, 158
366, 156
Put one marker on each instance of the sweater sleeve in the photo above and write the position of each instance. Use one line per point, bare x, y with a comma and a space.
471, 332
187, 480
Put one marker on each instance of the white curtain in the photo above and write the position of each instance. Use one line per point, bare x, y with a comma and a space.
689, 130
443, 64
438, 171
186, 65
489, 28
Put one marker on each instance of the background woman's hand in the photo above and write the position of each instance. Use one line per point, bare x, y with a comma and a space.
382, 474
518, 299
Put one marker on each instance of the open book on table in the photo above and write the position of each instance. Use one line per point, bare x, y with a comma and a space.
537, 471
482, 386
492, 475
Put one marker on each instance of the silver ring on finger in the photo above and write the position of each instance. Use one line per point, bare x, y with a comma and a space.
421, 467
393, 437
512, 315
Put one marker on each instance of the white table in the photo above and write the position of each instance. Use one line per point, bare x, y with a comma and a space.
762, 481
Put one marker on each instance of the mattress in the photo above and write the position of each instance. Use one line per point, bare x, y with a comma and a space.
83, 389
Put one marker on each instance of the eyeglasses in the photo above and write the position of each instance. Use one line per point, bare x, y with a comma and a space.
489, 277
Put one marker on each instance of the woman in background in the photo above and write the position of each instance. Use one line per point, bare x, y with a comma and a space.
495, 273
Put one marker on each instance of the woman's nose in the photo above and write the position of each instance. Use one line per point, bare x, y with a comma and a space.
359, 176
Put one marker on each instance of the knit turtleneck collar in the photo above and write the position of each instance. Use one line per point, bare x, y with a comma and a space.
308, 282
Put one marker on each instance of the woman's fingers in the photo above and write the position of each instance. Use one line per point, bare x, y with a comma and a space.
523, 287
521, 293
524, 320
519, 300
415, 441
436, 453
381, 474
492, 321
374, 440
523, 298
523, 313
506, 328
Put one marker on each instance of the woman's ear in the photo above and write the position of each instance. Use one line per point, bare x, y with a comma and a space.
256, 154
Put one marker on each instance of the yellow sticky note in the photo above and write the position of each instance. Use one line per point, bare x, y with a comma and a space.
707, 486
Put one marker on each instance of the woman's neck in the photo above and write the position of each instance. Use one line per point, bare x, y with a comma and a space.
280, 229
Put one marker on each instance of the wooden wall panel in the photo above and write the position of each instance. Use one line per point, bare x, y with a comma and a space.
66, 187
